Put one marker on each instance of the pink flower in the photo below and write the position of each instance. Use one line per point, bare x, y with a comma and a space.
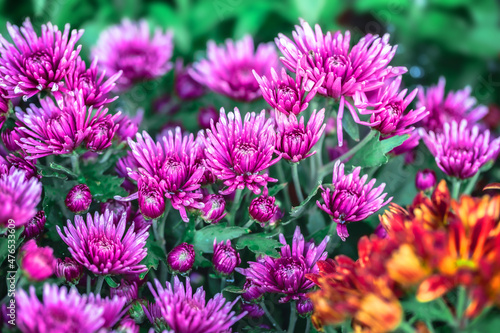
228, 70
213, 211
238, 151
225, 258
37, 63
185, 86
181, 258
78, 198
37, 262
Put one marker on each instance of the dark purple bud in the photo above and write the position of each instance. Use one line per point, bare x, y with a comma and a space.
101, 135
213, 211
425, 180
181, 258
304, 307
118, 208
263, 208
252, 292
253, 310
185, 87
78, 199
69, 269
35, 226
225, 258
151, 199
205, 115
127, 127
380, 231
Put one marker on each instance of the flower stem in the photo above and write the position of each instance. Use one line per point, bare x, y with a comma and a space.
271, 318
293, 318
88, 283
296, 182
161, 226
455, 189
75, 163
472, 182
308, 325
98, 285
445, 310
461, 304
222, 283
281, 175
405, 327
327, 168
248, 224
235, 206
155, 229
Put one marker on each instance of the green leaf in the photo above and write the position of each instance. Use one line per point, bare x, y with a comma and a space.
276, 189
374, 153
350, 126
111, 282
4, 246
106, 187
259, 244
48, 172
204, 238
154, 256
234, 290
298, 210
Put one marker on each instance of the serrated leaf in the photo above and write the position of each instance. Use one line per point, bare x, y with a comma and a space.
154, 256
298, 210
106, 187
204, 238
109, 280
276, 189
374, 153
4, 249
259, 244
234, 290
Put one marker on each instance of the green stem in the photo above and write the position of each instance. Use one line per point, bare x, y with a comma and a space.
327, 168
330, 329
405, 327
445, 310
235, 206
308, 325
271, 318
107, 155
248, 224
455, 189
293, 318
222, 283
281, 175
75, 163
88, 283
161, 226
472, 182
461, 304
155, 229
163, 272
296, 182
98, 285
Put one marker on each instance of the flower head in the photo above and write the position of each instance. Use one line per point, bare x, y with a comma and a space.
185, 312
19, 197
181, 258
253, 310
102, 132
127, 127
90, 84
293, 139
170, 168
113, 308
425, 180
118, 208
205, 116
127, 289
457, 105
263, 208
286, 94
185, 86
129, 48
225, 258
238, 151
151, 198
78, 198
461, 151
69, 269
287, 274
389, 108
60, 311
351, 199
35, 226
213, 211
343, 70
228, 70
37, 63
37, 262
103, 247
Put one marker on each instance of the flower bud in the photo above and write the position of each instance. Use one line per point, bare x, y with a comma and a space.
181, 258
38, 262
9, 138
118, 208
213, 211
262, 208
127, 325
225, 258
253, 310
35, 226
205, 115
101, 135
78, 199
127, 289
304, 307
252, 292
70, 269
185, 87
127, 127
380, 231
425, 180
151, 200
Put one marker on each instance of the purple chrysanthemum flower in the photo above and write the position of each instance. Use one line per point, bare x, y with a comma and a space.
21, 162
287, 274
425, 180
113, 308
286, 94
238, 151
90, 84
228, 69
118, 208
388, 110
171, 164
151, 198
293, 139
457, 105
79, 198
10, 136
101, 133
127, 325
461, 151
213, 211
185, 312
103, 247
263, 208
69, 269
127, 289
253, 293
345, 71
304, 307
35, 226
37, 63
47, 130
181, 258
19, 196
37, 262
127, 127
225, 258
253, 310
4, 108
129, 48
61, 311
153, 313
185, 86
351, 199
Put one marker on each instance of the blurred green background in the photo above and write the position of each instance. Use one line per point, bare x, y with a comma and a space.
459, 39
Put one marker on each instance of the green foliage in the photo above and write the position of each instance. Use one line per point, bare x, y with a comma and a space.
374, 153
204, 238
259, 243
